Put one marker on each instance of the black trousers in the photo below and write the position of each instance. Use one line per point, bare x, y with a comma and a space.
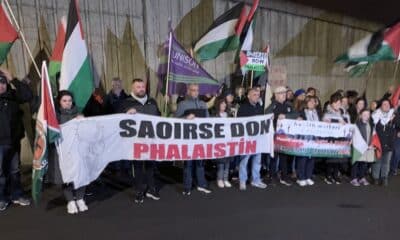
72, 194
285, 163
144, 175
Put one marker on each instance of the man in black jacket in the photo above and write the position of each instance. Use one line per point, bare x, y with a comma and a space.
281, 110
139, 102
11, 133
387, 124
251, 108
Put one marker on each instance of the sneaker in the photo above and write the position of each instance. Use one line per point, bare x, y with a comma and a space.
259, 185
364, 182
355, 182
310, 182
329, 180
153, 195
286, 183
204, 190
82, 207
72, 208
186, 192
220, 184
139, 198
302, 183
3, 205
22, 201
337, 180
242, 186
227, 184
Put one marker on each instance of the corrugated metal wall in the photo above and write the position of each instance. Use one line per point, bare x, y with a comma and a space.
123, 38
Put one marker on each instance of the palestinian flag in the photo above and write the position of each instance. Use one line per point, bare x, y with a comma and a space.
376, 143
395, 97
56, 57
47, 132
360, 146
76, 74
223, 35
8, 34
383, 45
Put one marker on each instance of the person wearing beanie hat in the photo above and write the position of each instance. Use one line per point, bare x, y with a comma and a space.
299, 92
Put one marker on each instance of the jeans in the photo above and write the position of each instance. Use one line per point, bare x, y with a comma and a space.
10, 175
380, 168
188, 172
144, 175
359, 170
223, 166
394, 164
305, 167
255, 168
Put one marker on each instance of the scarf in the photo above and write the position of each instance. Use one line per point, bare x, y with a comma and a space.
383, 117
142, 100
311, 115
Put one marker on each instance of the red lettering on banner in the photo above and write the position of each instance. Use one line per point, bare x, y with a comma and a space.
157, 151
219, 150
173, 152
198, 152
232, 146
138, 149
185, 152
209, 151
251, 147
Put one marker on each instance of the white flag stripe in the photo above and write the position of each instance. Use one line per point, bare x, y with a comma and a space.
75, 53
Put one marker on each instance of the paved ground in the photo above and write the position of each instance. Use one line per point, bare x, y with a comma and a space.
318, 212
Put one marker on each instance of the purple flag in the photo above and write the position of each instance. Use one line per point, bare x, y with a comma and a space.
183, 70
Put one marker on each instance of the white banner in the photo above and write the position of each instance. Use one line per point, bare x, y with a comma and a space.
313, 139
89, 144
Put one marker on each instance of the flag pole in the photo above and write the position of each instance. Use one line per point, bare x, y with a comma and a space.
168, 69
23, 38
251, 78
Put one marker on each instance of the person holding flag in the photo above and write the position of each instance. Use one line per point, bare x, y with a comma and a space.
387, 123
11, 133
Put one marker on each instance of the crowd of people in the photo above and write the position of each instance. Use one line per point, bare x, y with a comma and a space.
258, 170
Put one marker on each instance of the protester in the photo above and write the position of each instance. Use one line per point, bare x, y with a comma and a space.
65, 111
11, 133
355, 109
139, 102
281, 110
359, 168
299, 97
249, 108
115, 97
334, 114
305, 164
190, 108
387, 123
223, 164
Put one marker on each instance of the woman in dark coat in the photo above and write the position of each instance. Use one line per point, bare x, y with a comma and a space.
66, 111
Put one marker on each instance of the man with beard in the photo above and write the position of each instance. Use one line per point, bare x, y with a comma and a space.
139, 102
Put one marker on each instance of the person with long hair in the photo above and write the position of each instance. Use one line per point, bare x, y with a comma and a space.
223, 164
359, 168
66, 111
